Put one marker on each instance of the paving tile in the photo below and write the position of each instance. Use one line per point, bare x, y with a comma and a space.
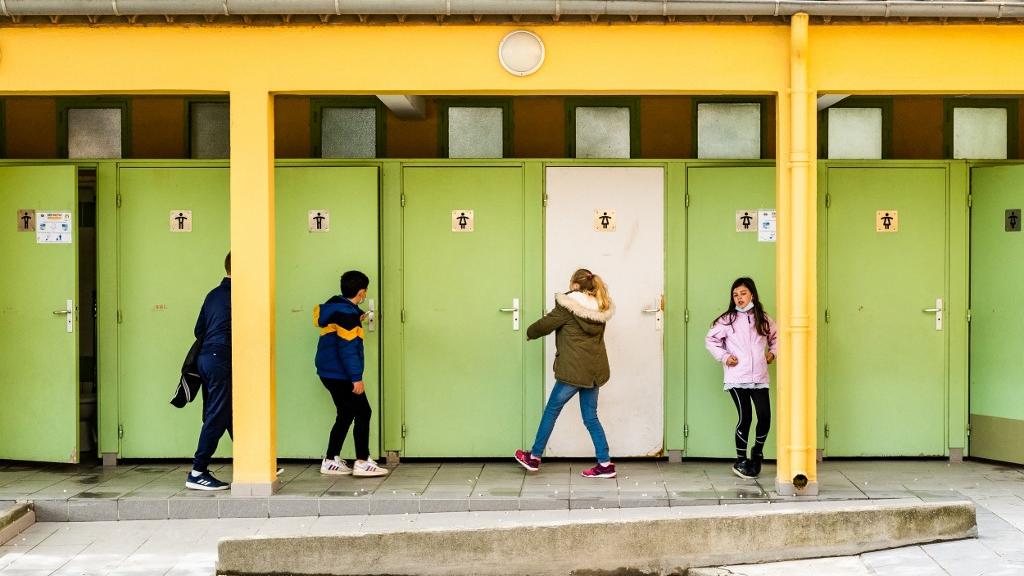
491, 504
543, 503
91, 510
143, 509
394, 505
51, 510
244, 507
344, 506
293, 507
182, 508
441, 504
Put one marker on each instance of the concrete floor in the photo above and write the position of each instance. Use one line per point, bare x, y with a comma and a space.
188, 546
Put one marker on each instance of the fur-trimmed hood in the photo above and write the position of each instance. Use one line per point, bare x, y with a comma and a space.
585, 306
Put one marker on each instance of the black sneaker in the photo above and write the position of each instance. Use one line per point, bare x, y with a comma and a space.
204, 481
754, 465
742, 469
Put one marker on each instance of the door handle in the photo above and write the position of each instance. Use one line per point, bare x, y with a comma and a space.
938, 313
515, 313
657, 311
69, 313
371, 316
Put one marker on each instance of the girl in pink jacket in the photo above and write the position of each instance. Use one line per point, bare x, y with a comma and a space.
744, 339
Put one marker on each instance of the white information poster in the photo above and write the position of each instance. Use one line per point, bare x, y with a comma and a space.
766, 225
53, 227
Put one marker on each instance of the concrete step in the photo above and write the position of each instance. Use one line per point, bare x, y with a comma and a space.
15, 517
655, 541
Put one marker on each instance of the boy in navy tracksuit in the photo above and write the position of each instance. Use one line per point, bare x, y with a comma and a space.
213, 328
339, 363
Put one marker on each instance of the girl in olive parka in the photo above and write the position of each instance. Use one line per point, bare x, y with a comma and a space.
581, 365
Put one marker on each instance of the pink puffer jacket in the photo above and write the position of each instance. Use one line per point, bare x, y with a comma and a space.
740, 339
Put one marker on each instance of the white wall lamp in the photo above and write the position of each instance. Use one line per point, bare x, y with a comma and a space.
521, 52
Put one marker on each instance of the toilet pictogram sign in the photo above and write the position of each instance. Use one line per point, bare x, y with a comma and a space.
746, 220
462, 221
26, 220
181, 220
887, 221
319, 220
1013, 223
604, 220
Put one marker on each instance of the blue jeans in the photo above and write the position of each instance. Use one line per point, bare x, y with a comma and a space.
561, 394
216, 373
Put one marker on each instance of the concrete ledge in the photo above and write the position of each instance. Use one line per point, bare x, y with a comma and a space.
14, 520
674, 541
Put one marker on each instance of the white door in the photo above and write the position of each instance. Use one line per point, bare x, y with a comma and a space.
611, 221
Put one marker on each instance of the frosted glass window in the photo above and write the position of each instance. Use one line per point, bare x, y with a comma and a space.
209, 126
726, 130
94, 133
602, 132
979, 133
476, 132
855, 133
348, 133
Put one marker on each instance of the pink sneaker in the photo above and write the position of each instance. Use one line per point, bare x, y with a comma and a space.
600, 472
528, 461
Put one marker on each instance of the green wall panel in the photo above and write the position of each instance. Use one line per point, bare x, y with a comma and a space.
309, 265
164, 277
38, 356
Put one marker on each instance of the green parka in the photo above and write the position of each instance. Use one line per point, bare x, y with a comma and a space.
578, 324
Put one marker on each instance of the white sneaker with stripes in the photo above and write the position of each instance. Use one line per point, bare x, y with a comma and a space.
335, 467
368, 468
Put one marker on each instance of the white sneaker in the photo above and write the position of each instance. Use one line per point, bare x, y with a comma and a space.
335, 467
368, 468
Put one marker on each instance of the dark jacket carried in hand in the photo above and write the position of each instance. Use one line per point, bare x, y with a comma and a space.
214, 324
339, 353
578, 323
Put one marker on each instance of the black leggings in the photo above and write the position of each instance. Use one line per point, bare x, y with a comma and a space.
742, 398
350, 406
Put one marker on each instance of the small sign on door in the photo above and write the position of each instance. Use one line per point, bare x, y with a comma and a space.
53, 228
604, 220
887, 221
181, 220
746, 220
1013, 220
462, 220
26, 220
767, 225
319, 221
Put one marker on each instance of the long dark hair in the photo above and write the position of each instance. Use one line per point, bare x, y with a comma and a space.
761, 319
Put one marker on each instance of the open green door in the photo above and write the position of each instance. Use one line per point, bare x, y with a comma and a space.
173, 225
997, 319
326, 224
718, 252
464, 263
886, 357
39, 314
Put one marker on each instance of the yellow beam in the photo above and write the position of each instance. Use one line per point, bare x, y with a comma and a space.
252, 297
399, 59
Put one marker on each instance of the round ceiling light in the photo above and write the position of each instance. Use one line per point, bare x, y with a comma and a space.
521, 52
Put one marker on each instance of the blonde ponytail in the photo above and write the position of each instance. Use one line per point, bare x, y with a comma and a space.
592, 284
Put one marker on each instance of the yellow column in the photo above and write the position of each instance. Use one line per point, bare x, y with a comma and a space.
797, 277
252, 291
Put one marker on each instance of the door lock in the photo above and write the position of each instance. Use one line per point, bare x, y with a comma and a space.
938, 313
371, 316
515, 313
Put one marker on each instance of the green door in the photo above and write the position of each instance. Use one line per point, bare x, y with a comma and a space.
997, 319
885, 356
718, 254
165, 273
312, 253
38, 339
463, 356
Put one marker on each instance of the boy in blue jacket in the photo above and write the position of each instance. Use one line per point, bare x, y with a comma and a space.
339, 363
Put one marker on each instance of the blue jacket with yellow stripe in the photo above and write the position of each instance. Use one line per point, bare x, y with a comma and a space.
339, 354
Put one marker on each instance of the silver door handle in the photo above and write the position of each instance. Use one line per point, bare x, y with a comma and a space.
69, 313
650, 310
515, 313
938, 313
371, 316
61, 312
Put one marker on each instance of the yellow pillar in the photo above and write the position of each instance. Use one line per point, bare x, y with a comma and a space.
797, 276
252, 291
